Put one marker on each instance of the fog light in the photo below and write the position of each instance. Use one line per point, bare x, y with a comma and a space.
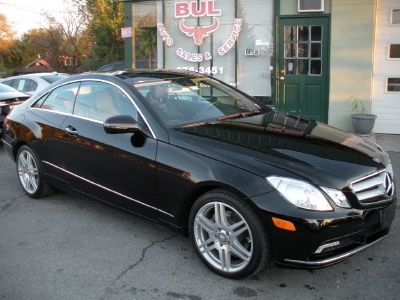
321, 248
283, 224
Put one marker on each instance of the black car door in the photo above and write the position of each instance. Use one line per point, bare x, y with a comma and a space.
109, 167
43, 120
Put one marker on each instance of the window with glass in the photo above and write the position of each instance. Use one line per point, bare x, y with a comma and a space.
393, 85
177, 100
99, 101
395, 17
60, 100
210, 37
303, 49
394, 51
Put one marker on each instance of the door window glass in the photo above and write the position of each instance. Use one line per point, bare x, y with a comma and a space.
303, 50
61, 99
99, 101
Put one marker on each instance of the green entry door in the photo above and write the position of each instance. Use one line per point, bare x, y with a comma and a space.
303, 67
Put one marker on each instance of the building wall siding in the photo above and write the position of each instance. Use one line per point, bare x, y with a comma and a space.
351, 58
386, 105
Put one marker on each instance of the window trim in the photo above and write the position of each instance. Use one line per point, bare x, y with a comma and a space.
391, 17
387, 84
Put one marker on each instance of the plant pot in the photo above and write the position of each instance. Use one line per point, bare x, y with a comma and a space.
363, 123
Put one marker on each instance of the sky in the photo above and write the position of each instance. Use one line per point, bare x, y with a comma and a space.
24, 15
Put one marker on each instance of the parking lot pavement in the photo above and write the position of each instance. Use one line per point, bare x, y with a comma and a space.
67, 247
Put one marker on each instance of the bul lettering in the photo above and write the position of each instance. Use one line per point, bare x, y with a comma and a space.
194, 9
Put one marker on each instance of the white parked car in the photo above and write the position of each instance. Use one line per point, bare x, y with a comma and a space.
33, 83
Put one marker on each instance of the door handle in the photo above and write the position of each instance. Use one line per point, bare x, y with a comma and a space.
281, 78
71, 130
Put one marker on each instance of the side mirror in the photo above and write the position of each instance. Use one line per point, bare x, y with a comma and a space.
121, 124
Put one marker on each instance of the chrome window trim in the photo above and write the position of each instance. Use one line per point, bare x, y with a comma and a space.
107, 189
98, 80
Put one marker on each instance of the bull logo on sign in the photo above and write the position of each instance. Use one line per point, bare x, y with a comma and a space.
198, 33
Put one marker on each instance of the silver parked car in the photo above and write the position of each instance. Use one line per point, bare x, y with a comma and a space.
33, 83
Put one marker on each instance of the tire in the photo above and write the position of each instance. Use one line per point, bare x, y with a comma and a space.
31, 175
235, 246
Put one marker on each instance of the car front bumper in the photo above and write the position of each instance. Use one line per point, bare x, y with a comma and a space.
322, 238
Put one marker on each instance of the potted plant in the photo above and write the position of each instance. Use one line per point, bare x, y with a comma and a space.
362, 122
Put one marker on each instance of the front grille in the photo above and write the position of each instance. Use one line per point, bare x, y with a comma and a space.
373, 188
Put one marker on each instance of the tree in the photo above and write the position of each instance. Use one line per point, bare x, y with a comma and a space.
147, 41
67, 40
6, 33
6, 42
105, 18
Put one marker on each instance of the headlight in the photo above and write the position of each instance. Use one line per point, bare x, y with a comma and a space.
337, 196
300, 193
389, 168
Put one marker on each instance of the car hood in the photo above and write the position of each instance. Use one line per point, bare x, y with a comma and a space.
277, 143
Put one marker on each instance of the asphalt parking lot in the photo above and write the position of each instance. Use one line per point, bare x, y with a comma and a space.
67, 247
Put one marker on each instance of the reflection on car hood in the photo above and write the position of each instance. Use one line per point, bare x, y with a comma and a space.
294, 143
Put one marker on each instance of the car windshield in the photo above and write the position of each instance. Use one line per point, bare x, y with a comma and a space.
185, 100
54, 78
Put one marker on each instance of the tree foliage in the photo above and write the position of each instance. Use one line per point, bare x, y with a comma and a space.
6, 42
147, 43
105, 18
89, 32
67, 40
62, 40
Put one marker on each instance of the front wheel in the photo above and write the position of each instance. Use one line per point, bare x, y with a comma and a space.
228, 235
31, 175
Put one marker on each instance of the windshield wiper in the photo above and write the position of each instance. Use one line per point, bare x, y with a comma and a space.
239, 115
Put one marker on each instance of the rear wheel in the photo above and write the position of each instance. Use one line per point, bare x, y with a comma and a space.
30, 174
228, 235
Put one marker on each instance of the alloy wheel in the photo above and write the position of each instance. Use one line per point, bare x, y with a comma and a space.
223, 237
28, 172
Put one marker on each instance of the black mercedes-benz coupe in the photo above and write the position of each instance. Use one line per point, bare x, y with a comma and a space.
247, 183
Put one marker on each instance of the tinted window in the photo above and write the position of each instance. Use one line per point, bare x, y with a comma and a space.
14, 83
61, 99
23, 85
5, 88
7, 82
32, 86
99, 101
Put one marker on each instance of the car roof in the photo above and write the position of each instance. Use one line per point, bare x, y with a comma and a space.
35, 75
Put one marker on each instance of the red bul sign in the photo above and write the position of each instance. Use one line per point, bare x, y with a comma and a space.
186, 9
200, 9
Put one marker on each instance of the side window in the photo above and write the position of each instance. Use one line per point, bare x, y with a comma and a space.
32, 86
14, 83
23, 85
99, 101
61, 99
8, 82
